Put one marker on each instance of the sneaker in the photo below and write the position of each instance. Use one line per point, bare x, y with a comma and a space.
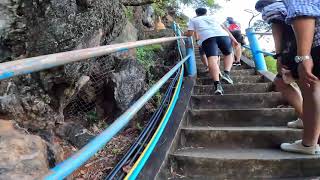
236, 64
297, 147
219, 90
226, 78
298, 124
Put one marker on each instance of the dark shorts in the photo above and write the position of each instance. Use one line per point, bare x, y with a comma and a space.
315, 53
238, 36
201, 51
212, 45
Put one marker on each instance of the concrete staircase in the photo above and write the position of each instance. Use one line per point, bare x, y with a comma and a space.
238, 135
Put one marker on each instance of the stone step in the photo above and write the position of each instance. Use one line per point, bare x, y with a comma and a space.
237, 137
236, 80
240, 117
236, 164
237, 101
241, 72
202, 68
234, 89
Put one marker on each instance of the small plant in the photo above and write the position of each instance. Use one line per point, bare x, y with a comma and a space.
139, 127
129, 13
92, 117
116, 151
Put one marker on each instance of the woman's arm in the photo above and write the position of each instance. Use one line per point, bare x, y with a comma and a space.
277, 31
189, 33
230, 34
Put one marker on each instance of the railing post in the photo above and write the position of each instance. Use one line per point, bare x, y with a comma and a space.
191, 63
256, 50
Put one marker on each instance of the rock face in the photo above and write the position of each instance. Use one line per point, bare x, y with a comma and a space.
129, 81
41, 27
76, 134
32, 28
22, 156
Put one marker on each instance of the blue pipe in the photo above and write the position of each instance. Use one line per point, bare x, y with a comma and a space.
65, 168
191, 63
263, 52
256, 50
266, 53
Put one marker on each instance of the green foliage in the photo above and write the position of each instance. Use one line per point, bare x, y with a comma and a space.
92, 117
159, 9
271, 64
146, 55
139, 127
199, 3
261, 26
247, 53
157, 98
129, 13
270, 61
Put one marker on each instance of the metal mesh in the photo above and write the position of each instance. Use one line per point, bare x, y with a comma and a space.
84, 104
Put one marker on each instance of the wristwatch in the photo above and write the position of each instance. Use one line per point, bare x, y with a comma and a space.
299, 59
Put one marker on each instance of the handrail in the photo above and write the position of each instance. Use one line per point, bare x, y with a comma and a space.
263, 33
65, 168
134, 172
33, 64
261, 51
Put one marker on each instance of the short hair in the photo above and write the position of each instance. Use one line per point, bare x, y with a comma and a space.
201, 11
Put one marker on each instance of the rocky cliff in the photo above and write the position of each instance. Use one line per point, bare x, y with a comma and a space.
75, 100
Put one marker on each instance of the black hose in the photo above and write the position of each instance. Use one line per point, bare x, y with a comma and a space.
146, 131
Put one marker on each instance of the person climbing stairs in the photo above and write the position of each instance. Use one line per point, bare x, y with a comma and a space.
238, 135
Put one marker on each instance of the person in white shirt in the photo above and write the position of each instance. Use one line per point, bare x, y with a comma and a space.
214, 36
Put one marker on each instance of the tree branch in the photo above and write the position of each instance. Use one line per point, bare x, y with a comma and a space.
137, 2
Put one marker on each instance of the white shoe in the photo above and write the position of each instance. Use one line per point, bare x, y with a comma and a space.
296, 124
297, 147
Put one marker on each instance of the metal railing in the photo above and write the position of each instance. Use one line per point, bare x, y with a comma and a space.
256, 50
34, 64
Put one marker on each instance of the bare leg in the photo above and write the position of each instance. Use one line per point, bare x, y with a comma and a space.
311, 113
238, 53
291, 94
204, 60
214, 69
228, 60
304, 32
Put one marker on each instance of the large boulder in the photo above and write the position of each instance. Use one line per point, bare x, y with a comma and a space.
129, 82
75, 133
22, 156
128, 34
32, 27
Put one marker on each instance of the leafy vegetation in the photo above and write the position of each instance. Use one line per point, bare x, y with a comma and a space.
92, 117
270, 61
147, 56
129, 13
200, 3
261, 26
271, 64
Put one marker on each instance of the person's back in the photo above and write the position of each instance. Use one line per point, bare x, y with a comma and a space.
207, 27
213, 36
